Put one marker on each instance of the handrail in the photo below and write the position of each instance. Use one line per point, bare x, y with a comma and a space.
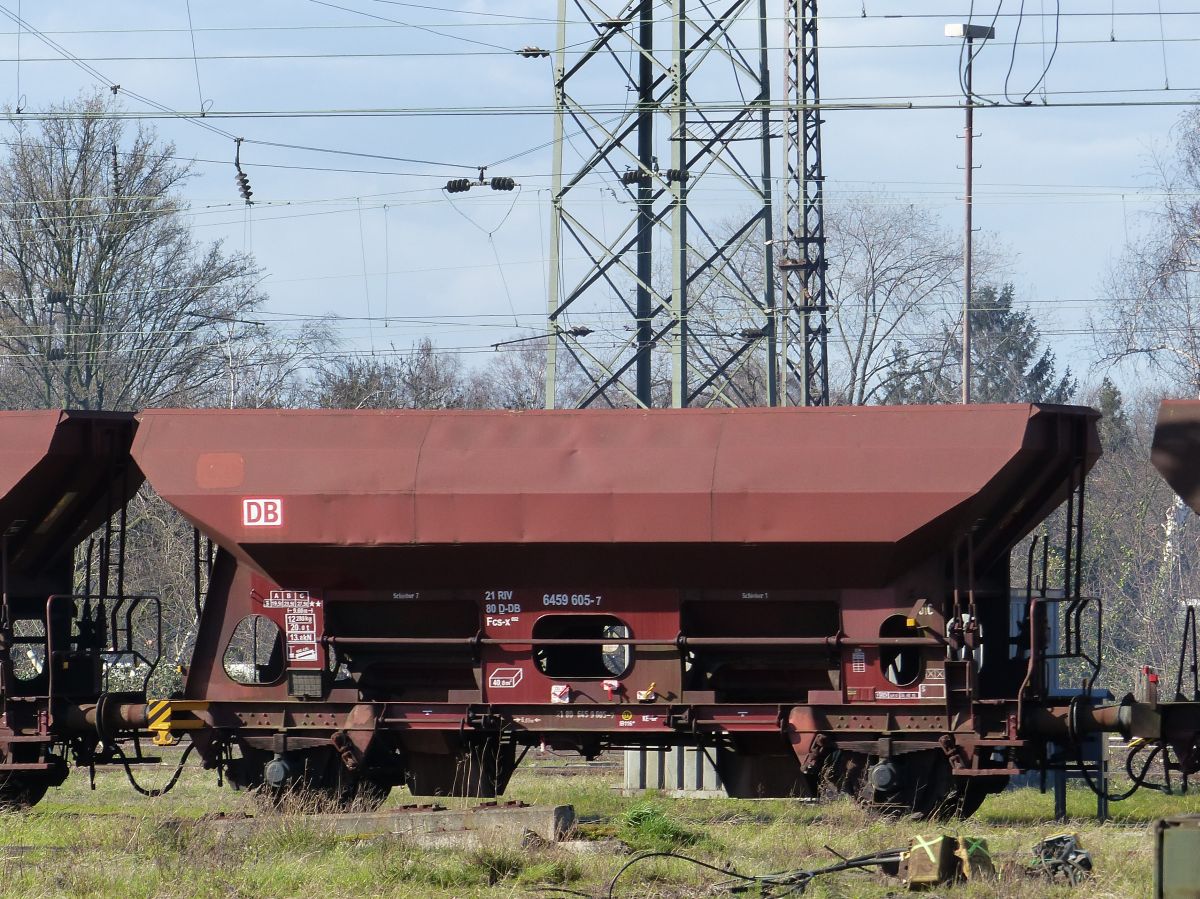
130, 603
680, 641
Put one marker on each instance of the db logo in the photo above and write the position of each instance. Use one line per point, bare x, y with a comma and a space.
262, 513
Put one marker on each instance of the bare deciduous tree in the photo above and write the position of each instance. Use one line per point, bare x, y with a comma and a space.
1153, 316
106, 299
1132, 517
894, 275
1153, 309
425, 378
893, 279
515, 378
273, 370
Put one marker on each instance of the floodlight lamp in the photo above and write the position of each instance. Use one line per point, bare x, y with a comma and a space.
971, 32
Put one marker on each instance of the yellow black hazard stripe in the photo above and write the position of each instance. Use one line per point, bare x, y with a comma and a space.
167, 718
158, 713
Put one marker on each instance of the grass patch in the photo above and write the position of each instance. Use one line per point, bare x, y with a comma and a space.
648, 827
497, 864
113, 843
551, 873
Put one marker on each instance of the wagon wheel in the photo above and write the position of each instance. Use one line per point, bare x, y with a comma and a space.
480, 770
246, 771
20, 790
967, 796
323, 781
320, 781
920, 785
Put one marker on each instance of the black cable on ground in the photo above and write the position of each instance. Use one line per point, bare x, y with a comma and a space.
787, 882
797, 881
642, 856
1139, 780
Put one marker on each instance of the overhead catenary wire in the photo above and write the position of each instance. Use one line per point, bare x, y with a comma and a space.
969, 51
20, 101
1012, 56
1162, 34
195, 57
605, 342
387, 267
522, 20
885, 188
434, 318
880, 104
875, 183
161, 108
573, 50
487, 19
100, 77
457, 37
869, 197
176, 114
1047, 61
1050, 60
491, 238
355, 153
1112, 36
362, 243
362, 155
498, 321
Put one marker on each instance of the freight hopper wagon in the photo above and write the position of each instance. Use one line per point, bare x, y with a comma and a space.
76, 650
1176, 454
811, 595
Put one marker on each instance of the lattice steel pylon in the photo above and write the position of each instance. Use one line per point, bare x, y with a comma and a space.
804, 360
662, 243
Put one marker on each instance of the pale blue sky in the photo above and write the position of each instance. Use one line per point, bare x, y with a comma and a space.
1058, 187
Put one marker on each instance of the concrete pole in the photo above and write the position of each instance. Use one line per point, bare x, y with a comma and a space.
554, 294
969, 136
